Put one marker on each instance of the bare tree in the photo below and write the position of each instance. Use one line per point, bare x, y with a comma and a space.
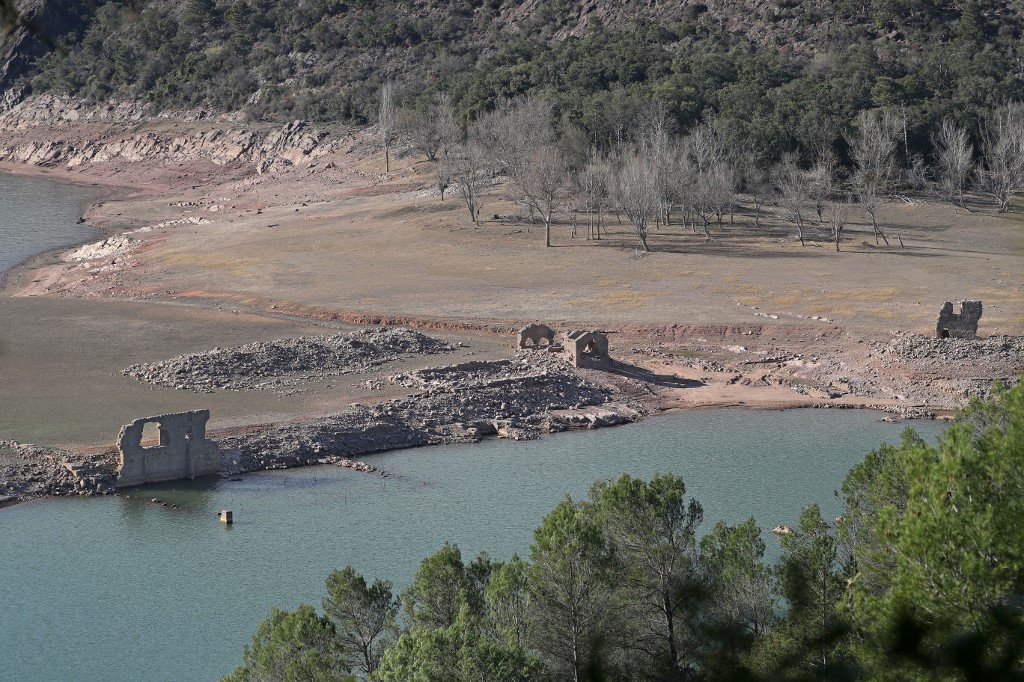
712, 180
954, 154
594, 181
703, 198
471, 176
434, 129
652, 132
1003, 154
443, 173
544, 184
685, 178
436, 133
838, 214
721, 179
512, 134
873, 148
754, 181
821, 180
637, 192
705, 145
386, 119
791, 184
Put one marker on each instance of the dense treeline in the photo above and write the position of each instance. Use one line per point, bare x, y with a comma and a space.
920, 578
789, 77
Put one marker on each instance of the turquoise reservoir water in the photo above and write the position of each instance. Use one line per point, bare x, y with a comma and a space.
120, 589
38, 215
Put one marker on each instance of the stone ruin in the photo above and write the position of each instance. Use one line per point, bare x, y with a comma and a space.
534, 333
579, 348
964, 325
183, 451
586, 349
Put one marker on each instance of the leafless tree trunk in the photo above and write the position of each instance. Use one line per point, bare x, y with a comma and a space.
873, 148
471, 176
838, 214
637, 192
386, 119
436, 133
954, 154
511, 135
720, 188
434, 129
821, 180
594, 181
653, 133
1003, 154
443, 173
755, 182
791, 185
544, 183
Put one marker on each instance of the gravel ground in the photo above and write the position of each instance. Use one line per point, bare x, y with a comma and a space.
277, 365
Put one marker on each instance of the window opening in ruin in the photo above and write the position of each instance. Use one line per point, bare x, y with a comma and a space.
589, 348
150, 434
945, 333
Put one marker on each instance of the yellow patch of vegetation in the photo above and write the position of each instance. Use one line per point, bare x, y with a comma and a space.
882, 294
623, 298
788, 299
1000, 295
888, 314
234, 266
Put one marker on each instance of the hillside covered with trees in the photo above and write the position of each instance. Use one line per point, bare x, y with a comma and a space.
783, 75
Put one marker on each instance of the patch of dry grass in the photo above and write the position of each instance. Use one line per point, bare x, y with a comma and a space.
1000, 295
625, 298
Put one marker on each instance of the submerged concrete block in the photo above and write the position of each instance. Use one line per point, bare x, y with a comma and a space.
183, 452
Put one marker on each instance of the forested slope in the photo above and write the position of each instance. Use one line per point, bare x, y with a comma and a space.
785, 74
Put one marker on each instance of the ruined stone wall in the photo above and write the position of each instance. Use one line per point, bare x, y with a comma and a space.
183, 451
958, 326
586, 349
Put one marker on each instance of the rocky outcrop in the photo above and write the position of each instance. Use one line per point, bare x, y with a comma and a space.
72, 134
40, 25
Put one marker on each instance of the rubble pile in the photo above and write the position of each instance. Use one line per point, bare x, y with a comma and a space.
921, 373
992, 351
286, 362
519, 398
28, 471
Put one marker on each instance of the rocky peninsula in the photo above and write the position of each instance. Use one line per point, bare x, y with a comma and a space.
242, 263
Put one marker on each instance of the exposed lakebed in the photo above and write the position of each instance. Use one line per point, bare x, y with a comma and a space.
125, 589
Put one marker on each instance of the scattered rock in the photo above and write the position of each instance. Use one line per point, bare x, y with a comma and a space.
276, 365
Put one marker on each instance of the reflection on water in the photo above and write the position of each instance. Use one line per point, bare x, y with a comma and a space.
125, 589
